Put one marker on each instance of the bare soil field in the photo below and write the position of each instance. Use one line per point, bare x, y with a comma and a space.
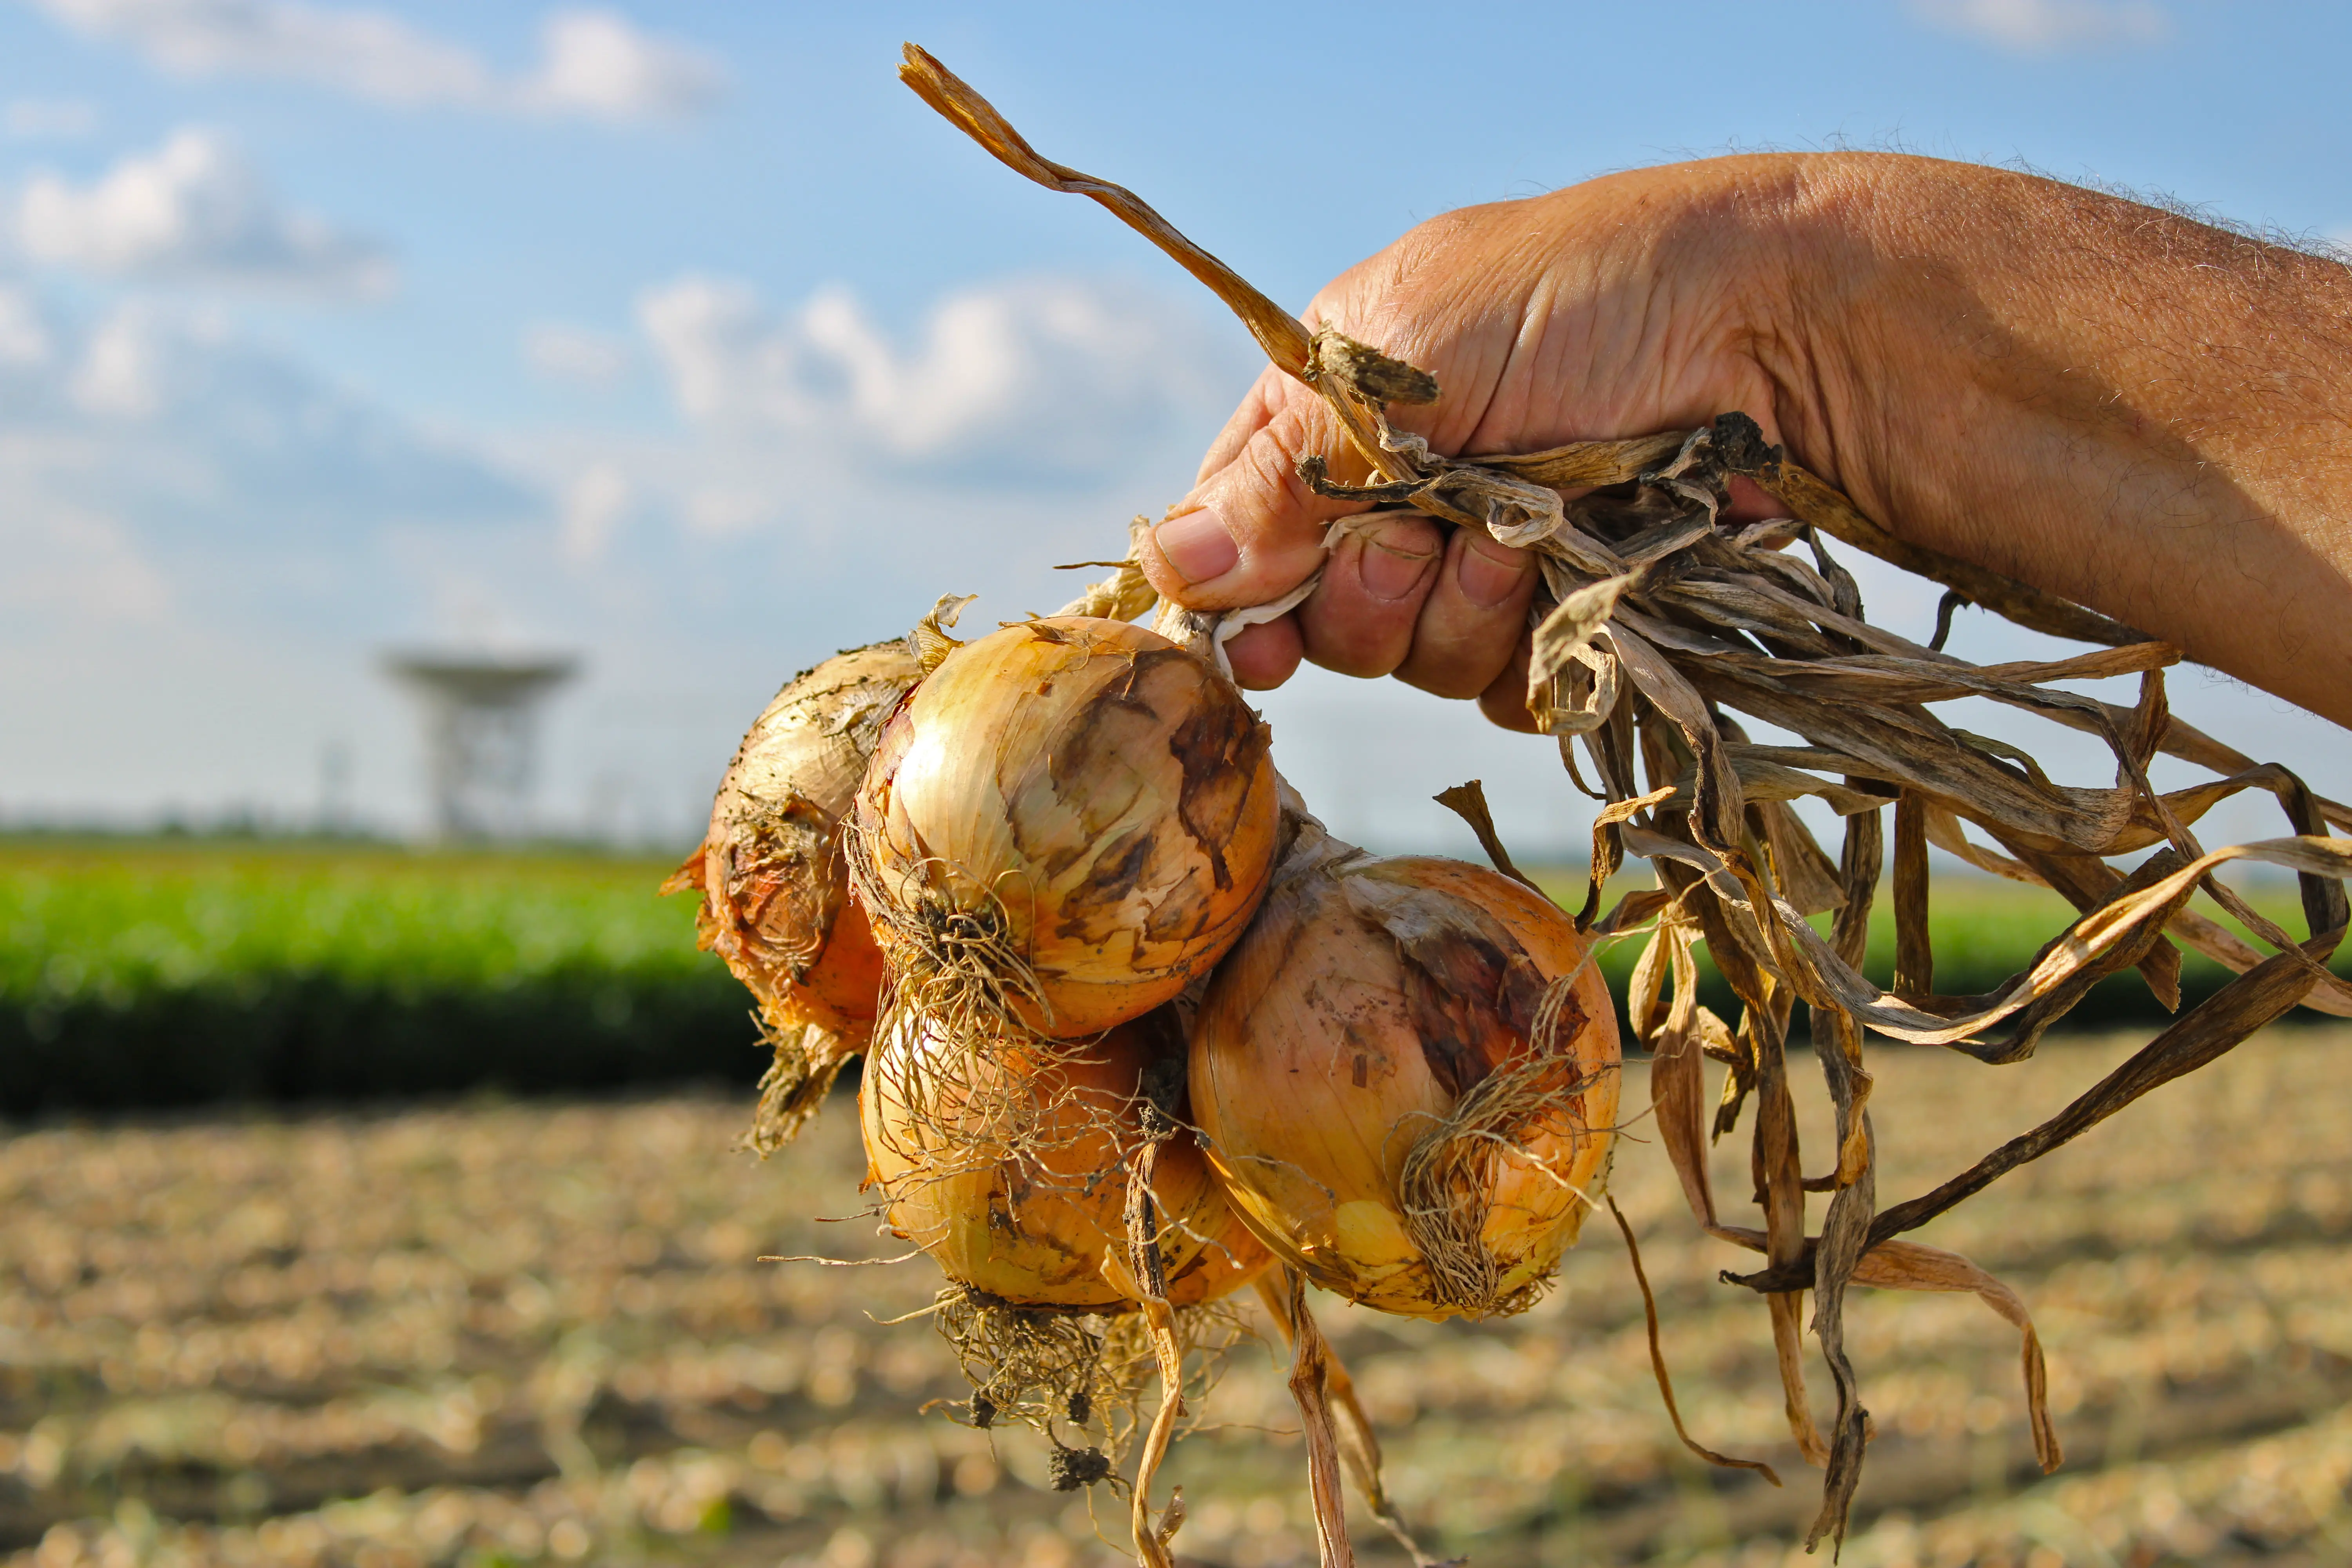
489, 1333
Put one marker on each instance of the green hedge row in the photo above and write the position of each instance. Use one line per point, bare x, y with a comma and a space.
297, 1036
154, 975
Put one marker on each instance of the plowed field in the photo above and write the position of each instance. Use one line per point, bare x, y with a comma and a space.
483, 1333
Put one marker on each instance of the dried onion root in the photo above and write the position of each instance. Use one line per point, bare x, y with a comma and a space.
1008, 1166
1068, 823
1406, 1076
1056, 1185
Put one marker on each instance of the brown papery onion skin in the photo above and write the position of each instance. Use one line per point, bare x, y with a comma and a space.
1327, 1047
1233, 1257
1008, 1165
771, 868
1097, 801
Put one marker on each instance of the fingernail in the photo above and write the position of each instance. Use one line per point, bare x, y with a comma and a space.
1197, 545
1390, 574
1487, 582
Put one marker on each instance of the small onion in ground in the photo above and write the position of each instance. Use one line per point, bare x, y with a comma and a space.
1010, 1165
770, 870
1399, 1096
1068, 822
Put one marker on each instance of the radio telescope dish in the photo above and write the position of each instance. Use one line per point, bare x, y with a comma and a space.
481, 735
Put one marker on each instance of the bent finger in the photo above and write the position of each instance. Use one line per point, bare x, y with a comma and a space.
1361, 618
1263, 396
1265, 655
1475, 615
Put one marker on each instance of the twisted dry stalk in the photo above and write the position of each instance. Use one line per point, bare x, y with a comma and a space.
1142, 1277
1657, 620
1356, 1444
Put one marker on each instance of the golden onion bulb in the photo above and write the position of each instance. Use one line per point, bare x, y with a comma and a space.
770, 869
1403, 1090
1010, 1165
1069, 821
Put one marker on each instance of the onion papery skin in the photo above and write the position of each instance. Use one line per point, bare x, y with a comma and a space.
771, 868
1095, 803
1369, 999
1231, 1259
1010, 1165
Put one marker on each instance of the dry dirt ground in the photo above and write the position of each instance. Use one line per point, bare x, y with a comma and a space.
495, 1333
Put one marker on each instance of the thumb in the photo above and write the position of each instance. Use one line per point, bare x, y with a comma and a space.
1252, 530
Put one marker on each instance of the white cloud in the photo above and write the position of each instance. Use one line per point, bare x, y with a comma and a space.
597, 65
593, 63
122, 370
369, 54
581, 356
84, 563
594, 506
25, 342
192, 208
172, 420
1031, 377
48, 118
2049, 26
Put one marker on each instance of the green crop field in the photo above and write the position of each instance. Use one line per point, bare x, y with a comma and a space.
159, 973
150, 972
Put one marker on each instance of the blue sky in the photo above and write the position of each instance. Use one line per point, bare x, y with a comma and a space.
684, 337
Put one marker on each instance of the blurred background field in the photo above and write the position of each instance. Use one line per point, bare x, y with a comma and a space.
495, 1332
154, 971
157, 971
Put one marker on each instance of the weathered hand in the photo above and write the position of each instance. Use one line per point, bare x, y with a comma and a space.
2109, 402
1623, 306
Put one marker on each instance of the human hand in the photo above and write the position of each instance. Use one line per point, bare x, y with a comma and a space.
2112, 403
1625, 306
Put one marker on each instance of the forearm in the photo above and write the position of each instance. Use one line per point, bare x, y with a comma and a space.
2144, 414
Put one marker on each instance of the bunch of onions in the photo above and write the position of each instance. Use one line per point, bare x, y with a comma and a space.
1406, 1077
775, 882
1068, 822
1010, 1165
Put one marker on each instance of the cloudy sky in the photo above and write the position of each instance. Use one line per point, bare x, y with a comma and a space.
683, 338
